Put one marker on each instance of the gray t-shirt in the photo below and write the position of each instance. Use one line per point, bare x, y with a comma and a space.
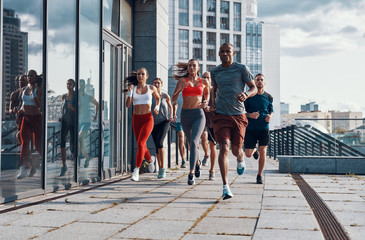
230, 82
162, 113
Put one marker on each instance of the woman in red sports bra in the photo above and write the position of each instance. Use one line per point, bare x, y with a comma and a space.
192, 88
140, 93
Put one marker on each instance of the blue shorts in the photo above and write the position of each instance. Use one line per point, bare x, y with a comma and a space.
85, 127
178, 127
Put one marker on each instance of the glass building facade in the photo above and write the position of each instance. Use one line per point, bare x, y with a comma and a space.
254, 46
71, 57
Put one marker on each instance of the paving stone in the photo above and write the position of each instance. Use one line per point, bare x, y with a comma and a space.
14, 232
278, 234
234, 212
295, 220
225, 226
214, 237
84, 230
172, 213
117, 215
156, 229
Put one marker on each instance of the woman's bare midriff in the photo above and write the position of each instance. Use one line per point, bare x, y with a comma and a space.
31, 110
191, 102
141, 109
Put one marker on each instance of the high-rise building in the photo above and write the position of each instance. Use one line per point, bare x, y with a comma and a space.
15, 56
263, 56
197, 28
309, 107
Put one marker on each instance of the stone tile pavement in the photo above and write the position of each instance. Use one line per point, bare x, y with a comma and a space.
170, 209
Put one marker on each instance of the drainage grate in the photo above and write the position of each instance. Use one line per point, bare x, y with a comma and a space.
330, 227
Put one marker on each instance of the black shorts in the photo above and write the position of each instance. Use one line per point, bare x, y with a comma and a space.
252, 137
211, 137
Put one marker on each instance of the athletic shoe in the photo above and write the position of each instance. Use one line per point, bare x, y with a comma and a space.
161, 173
151, 165
205, 160
86, 164
211, 176
22, 173
183, 164
259, 179
63, 171
191, 180
256, 154
241, 167
197, 169
227, 194
135, 175
32, 172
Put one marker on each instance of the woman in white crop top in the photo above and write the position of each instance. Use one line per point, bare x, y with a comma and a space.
140, 93
31, 125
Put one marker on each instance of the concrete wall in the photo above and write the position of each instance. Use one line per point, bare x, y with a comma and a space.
322, 165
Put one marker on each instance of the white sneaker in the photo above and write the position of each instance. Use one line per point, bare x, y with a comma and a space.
151, 166
22, 173
135, 175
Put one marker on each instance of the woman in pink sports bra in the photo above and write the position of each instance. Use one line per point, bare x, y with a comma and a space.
32, 122
140, 94
192, 88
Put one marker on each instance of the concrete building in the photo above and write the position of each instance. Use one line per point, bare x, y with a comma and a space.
15, 56
346, 121
197, 28
309, 107
293, 118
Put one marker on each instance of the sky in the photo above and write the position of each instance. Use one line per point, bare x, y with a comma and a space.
322, 52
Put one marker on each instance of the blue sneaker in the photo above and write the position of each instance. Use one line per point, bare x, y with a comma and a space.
241, 167
227, 194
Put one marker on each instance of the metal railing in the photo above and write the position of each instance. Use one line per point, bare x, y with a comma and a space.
307, 141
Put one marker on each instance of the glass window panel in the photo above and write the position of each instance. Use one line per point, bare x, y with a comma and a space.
197, 53
62, 101
211, 5
225, 7
225, 23
111, 15
22, 43
183, 44
126, 21
224, 38
197, 20
198, 5
89, 88
197, 37
183, 19
237, 16
211, 55
184, 4
211, 38
211, 21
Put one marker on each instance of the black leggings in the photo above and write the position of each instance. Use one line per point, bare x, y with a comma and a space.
159, 133
65, 128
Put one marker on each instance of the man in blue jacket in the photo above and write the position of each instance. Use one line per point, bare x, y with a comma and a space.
259, 111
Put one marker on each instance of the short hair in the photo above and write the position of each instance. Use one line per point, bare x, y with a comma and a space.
227, 44
260, 74
71, 80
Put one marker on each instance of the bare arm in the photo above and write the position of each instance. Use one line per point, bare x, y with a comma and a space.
250, 93
93, 100
157, 98
128, 101
179, 88
170, 106
206, 92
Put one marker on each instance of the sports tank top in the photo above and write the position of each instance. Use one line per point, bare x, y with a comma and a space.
28, 100
139, 99
193, 91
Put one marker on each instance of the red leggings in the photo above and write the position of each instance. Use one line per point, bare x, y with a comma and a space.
31, 125
142, 128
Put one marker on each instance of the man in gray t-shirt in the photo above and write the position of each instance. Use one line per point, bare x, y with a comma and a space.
229, 80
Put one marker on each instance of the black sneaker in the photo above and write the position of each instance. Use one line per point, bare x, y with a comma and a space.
256, 154
191, 180
183, 164
197, 169
259, 179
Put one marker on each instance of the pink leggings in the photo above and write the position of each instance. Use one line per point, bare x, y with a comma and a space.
142, 128
31, 125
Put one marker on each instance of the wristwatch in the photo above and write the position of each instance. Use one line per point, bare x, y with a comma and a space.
246, 94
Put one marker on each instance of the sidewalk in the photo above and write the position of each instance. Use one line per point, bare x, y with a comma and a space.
171, 209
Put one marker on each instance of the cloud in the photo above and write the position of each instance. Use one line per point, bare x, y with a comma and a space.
349, 29
308, 50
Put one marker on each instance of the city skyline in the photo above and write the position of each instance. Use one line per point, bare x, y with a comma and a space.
322, 47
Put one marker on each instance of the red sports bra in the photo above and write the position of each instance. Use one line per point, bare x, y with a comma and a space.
193, 91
